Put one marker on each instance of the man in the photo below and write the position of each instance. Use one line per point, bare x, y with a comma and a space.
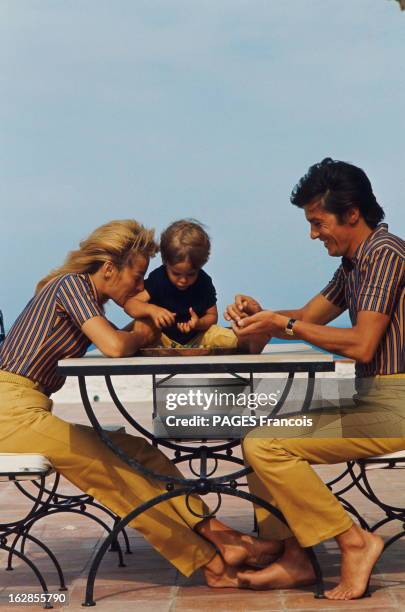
343, 213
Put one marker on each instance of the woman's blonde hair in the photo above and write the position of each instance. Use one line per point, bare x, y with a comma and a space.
115, 241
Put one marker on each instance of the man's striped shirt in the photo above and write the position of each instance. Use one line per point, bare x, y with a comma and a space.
373, 280
49, 329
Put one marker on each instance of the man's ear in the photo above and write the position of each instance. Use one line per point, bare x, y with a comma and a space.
352, 215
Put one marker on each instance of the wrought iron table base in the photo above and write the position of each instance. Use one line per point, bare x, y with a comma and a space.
202, 485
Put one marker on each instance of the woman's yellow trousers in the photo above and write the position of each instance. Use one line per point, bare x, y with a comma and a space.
28, 426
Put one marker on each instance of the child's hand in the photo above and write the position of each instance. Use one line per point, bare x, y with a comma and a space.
161, 316
189, 325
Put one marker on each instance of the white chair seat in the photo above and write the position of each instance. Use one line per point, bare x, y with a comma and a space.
23, 466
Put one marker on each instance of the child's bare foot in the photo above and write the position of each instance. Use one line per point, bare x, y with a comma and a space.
359, 555
237, 548
291, 570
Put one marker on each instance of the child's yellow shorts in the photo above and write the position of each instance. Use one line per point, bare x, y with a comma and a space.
214, 337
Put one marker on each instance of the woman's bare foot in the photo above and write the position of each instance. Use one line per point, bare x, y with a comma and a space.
237, 548
220, 575
291, 570
360, 551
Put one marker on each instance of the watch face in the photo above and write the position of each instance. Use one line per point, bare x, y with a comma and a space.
289, 327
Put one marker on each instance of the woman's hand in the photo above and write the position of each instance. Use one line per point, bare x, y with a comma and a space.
161, 317
243, 307
189, 325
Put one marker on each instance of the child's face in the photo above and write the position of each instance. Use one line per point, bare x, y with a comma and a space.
182, 274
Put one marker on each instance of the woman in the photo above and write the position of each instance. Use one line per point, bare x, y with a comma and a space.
63, 318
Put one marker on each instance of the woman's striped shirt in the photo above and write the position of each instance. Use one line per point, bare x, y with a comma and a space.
49, 329
373, 280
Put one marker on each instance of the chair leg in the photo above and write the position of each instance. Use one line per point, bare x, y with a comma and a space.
40, 578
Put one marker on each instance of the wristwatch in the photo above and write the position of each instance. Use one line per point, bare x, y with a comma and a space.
289, 327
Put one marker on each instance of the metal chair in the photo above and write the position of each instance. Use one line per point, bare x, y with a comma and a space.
17, 467
358, 474
81, 504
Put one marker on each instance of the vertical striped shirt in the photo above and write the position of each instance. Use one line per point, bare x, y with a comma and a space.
49, 329
373, 280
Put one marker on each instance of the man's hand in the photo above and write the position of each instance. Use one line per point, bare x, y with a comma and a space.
189, 325
161, 317
243, 307
265, 323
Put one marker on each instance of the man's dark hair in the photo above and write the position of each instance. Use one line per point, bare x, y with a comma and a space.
340, 186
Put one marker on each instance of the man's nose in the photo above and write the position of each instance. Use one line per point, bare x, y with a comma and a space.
314, 234
140, 287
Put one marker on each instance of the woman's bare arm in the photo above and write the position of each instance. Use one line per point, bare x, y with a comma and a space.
114, 342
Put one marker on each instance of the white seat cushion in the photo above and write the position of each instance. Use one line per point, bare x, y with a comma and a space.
23, 466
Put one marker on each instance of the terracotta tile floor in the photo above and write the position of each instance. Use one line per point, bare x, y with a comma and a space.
149, 583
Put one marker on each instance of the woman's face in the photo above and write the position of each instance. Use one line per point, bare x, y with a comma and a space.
127, 282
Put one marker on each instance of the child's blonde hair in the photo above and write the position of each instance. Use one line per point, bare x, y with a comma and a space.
115, 241
185, 240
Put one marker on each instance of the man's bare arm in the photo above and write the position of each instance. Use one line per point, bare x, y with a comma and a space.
359, 342
318, 310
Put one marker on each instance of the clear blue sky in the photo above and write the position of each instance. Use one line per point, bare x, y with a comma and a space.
211, 109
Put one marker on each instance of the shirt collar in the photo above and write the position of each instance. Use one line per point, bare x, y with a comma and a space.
92, 286
349, 263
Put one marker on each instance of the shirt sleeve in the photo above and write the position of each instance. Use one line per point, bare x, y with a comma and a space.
76, 298
335, 289
383, 281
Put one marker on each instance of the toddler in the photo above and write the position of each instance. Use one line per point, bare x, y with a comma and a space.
179, 296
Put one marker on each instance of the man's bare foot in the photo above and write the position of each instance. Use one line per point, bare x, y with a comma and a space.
237, 548
220, 575
360, 552
291, 570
